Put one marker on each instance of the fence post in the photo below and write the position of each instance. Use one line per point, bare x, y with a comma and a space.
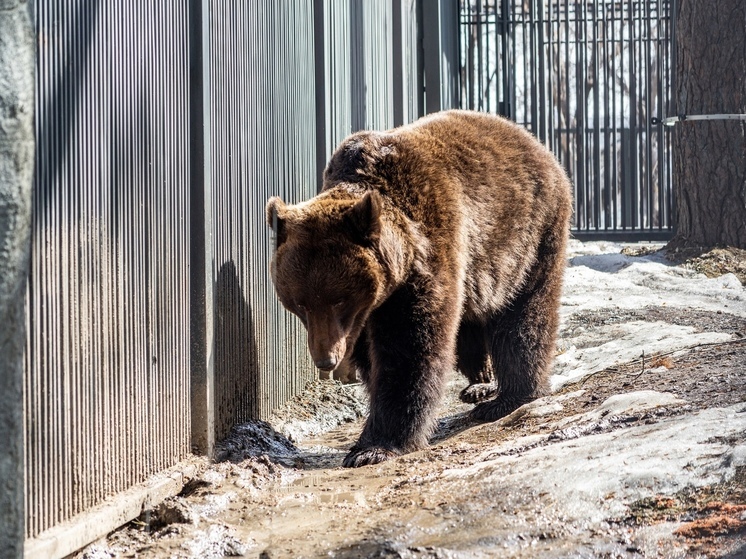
440, 53
16, 176
201, 259
319, 38
398, 66
431, 54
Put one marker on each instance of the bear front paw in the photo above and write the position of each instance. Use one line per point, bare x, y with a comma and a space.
478, 392
367, 456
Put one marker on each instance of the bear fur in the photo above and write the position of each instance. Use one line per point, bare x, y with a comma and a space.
433, 246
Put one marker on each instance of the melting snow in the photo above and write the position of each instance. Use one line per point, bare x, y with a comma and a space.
600, 277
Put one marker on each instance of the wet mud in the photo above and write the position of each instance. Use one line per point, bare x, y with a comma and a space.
492, 490
639, 457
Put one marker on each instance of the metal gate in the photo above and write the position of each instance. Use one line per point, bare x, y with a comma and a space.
585, 76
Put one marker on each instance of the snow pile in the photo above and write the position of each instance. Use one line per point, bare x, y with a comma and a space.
600, 277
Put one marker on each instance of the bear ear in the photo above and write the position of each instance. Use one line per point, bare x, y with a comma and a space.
275, 215
364, 218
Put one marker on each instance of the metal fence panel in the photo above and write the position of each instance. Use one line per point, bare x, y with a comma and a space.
263, 144
586, 78
110, 302
372, 67
411, 62
106, 380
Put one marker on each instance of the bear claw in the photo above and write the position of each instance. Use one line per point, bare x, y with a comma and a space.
367, 456
479, 392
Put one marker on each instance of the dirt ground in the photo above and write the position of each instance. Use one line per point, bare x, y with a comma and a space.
640, 459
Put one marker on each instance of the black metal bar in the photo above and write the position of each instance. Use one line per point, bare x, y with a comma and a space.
580, 71
635, 178
201, 315
431, 45
597, 186
622, 235
397, 63
570, 163
646, 122
550, 89
607, 146
319, 38
357, 67
510, 67
543, 78
420, 59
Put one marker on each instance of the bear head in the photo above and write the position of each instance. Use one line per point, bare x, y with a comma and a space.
326, 270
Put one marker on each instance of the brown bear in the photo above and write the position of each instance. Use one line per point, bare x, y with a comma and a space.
436, 245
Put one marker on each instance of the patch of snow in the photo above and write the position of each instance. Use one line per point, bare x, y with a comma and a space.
541, 407
600, 277
629, 464
613, 344
214, 504
216, 542
627, 404
323, 406
99, 550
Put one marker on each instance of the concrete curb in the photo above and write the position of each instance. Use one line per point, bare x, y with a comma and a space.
68, 537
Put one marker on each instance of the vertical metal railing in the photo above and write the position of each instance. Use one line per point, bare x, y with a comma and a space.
162, 130
586, 78
374, 64
262, 105
107, 371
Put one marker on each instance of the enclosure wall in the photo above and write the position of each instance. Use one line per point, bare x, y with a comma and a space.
107, 356
163, 128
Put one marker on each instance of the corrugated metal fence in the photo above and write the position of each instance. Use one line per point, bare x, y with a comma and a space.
163, 127
587, 78
263, 134
373, 66
107, 362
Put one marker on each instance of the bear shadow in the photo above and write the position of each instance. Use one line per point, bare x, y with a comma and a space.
236, 358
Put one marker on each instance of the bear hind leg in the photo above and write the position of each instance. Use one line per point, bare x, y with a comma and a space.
474, 362
523, 339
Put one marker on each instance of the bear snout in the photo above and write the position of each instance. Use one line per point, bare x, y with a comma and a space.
327, 364
326, 342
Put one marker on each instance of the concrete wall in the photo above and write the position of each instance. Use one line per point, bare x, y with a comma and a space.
16, 175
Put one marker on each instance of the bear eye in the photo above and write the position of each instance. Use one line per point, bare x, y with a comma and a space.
338, 304
301, 307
